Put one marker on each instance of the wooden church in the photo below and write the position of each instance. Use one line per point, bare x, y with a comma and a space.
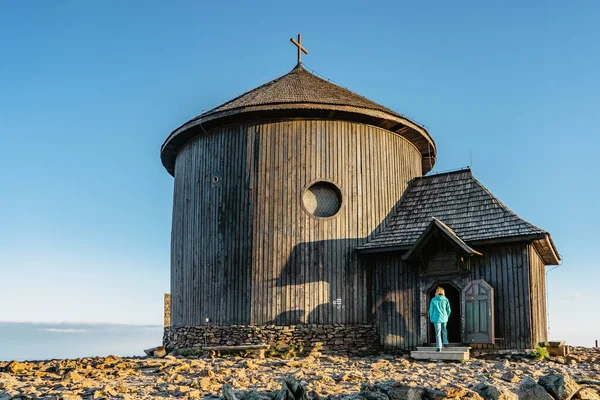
301, 206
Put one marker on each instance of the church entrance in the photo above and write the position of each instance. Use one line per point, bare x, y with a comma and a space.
454, 322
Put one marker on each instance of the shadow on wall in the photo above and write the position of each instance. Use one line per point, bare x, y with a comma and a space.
327, 282
396, 328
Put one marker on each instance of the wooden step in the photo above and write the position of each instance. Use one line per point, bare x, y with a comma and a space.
448, 353
453, 349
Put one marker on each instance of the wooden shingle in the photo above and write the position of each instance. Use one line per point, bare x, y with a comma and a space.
461, 202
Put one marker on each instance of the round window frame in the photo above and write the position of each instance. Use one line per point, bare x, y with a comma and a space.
337, 189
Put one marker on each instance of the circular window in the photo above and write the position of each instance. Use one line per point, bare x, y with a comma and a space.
322, 199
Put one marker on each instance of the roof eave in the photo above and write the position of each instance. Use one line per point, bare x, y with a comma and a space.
448, 233
383, 249
404, 127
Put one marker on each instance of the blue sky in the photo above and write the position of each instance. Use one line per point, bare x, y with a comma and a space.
89, 91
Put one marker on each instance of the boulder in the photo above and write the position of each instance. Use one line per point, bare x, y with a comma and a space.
291, 389
509, 376
559, 386
15, 367
530, 390
403, 392
435, 394
472, 395
587, 394
150, 352
370, 392
160, 352
254, 395
491, 392
455, 391
72, 377
229, 393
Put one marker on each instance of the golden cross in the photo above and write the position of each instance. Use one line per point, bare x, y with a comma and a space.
300, 48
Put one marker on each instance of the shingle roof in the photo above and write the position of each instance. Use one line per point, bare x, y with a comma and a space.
299, 86
459, 201
433, 224
300, 94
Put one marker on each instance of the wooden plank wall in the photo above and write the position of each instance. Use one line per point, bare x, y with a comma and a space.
244, 251
209, 237
506, 269
515, 271
537, 277
396, 304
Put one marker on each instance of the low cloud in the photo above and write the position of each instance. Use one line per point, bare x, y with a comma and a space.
64, 330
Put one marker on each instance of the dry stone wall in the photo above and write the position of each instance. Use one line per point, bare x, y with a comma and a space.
167, 308
338, 338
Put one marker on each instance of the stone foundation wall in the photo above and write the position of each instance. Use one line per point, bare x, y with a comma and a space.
346, 339
167, 308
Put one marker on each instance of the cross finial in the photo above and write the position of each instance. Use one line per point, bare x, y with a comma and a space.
300, 48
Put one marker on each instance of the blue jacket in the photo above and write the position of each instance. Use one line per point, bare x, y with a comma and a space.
439, 309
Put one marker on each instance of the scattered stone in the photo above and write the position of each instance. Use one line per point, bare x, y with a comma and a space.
435, 394
405, 392
530, 390
330, 376
587, 394
370, 392
72, 377
455, 391
559, 386
159, 352
16, 367
509, 376
490, 392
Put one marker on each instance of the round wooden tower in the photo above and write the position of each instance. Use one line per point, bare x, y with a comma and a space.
274, 191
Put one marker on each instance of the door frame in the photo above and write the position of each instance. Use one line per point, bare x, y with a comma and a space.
426, 283
460, 308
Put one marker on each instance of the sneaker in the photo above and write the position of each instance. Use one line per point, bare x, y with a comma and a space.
438, 350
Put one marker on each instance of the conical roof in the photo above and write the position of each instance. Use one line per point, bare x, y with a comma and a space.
300, 94
300, 86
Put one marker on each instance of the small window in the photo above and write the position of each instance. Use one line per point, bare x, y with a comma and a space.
322, 199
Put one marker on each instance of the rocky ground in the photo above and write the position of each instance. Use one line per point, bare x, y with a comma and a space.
384, 377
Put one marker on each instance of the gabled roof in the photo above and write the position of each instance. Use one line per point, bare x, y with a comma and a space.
300, 94
463, 204
448, 233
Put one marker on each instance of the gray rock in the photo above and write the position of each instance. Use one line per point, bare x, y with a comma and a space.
434, 394
530, 390
228, 392
490, 392
370, 392
509, 376
291, 389
254, 395
406, 393
559, 386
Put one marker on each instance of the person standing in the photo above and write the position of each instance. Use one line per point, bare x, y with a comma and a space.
439, 312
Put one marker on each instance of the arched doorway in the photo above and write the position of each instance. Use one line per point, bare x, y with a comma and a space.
454, 322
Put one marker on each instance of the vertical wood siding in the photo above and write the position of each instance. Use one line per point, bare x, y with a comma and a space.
515, 271
537, 276
508, 270
396, 302
244, 250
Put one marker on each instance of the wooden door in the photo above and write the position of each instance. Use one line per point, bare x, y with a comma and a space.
478, 312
